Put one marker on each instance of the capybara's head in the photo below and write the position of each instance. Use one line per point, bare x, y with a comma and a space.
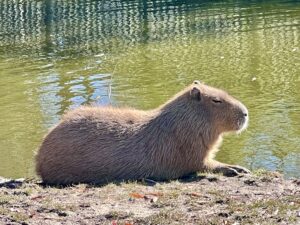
223, 112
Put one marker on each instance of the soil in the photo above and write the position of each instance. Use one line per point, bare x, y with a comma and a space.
260, 198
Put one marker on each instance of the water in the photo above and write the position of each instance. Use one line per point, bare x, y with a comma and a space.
58, 54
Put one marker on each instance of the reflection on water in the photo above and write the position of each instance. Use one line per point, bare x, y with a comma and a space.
55, 25
58, 54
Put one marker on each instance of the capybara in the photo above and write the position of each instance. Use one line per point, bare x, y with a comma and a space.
101, 144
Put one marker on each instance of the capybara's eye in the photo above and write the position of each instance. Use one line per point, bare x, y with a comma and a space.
217, 100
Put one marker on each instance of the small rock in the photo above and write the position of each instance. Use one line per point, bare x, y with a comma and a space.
296, 181
131, 199
298, 214
84, 205
40, 210
62, 214
212, 179
14, 210
240, 217
223, 214
266, 179
250, 182
154, 199
220, 201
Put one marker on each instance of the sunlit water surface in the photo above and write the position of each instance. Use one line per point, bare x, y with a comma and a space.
58, 54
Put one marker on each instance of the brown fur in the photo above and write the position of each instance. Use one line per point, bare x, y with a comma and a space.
104, 144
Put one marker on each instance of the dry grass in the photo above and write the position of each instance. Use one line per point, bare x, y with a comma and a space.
263, 198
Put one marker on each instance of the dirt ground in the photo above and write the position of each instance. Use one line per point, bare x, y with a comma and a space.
260, 198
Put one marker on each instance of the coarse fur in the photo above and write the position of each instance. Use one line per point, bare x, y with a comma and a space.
104, 144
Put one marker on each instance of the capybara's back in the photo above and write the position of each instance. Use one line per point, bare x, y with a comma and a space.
87, 146
104, 144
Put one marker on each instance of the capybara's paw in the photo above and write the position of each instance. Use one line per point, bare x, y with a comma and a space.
226, 171
229, 172
240, 169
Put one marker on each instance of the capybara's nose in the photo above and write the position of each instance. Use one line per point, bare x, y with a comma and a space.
245, 111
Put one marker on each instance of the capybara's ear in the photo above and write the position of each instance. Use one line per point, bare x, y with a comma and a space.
195, 93
196, 82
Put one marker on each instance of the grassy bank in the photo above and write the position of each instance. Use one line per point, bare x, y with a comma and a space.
261, 198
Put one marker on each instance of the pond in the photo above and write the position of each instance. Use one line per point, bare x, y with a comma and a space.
58, 54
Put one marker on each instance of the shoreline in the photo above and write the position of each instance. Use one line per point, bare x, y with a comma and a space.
260, 198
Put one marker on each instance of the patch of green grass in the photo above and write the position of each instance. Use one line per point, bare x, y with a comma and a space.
275, 210
18, 216
15, 216
281, 206
4, 199
164, 217
216, 193
9, 198
64, 207
265, 173
168, 199
58, 206
3, 211
173, 194
117, 215
47, 201
52, 205
29, 191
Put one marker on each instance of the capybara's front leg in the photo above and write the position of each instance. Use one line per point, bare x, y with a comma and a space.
226, 169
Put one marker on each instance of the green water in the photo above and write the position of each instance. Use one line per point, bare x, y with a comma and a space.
58, 54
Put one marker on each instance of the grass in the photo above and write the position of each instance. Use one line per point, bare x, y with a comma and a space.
275, 209
164, 217
4, 199
262, 173
263, 198
14, 215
